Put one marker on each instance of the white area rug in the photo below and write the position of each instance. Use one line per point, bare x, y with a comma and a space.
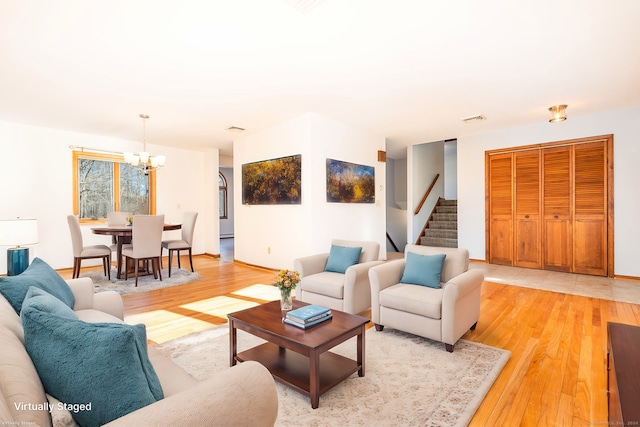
409, 380
179, 276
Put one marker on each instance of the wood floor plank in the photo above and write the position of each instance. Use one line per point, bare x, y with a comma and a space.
556, 375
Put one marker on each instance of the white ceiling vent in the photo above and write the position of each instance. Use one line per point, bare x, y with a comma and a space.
477, 117
235, 129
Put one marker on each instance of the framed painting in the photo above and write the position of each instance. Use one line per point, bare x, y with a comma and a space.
350, 182
273, 182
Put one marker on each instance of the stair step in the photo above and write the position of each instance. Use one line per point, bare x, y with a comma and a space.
444, 243
443, 225
444, 217
444, 202
441, 233
447, 209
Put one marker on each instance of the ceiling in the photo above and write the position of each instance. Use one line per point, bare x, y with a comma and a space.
406, 70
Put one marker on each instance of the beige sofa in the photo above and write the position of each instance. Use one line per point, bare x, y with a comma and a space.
443, 314
240, 396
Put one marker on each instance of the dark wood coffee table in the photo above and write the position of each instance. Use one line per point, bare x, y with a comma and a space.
296, 357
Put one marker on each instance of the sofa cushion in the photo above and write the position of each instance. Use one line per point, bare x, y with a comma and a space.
420, 300
423, 270
103, 366
325, 283
40, 275
42, 300
341, 258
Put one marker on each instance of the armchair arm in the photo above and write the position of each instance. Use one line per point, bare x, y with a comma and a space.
311, 264
357, 290
244, 395
381, 277
86, 298
461, 304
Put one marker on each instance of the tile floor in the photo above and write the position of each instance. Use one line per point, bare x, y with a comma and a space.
575, 284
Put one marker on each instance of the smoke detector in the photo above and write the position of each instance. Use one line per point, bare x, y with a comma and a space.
477, 117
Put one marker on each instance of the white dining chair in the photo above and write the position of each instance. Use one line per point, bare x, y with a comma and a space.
81, 252
184, 244
118, 218
146, 239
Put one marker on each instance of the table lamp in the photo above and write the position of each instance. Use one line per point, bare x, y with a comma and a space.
18, 232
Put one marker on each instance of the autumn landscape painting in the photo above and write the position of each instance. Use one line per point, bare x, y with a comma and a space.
272, 182
350, 182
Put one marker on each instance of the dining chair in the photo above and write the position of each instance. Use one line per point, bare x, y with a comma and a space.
184, 244
118, 218
146, 239
81, 252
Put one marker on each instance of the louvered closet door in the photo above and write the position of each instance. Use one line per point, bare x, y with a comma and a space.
557, 221
526, 216
501, 209
590, 209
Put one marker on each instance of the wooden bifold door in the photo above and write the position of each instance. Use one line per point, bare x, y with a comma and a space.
550, 206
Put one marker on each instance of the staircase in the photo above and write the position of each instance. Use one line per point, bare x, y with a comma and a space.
442, 228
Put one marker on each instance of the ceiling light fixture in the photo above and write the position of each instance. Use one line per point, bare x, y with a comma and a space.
143, 160
558, 113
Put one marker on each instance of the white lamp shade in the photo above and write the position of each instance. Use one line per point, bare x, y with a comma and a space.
16, 232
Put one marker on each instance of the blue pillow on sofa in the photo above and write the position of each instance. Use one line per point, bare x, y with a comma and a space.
341, 258
103, 369
423, 270
40, 275
44, 301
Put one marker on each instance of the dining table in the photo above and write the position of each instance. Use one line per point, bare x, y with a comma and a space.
122, 235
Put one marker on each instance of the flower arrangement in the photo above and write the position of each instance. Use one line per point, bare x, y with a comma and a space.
287, 280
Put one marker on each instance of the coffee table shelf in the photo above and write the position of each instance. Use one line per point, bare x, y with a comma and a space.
292, 369
298, 358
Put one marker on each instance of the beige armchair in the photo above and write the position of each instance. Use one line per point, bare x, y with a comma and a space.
443, 314
347, 291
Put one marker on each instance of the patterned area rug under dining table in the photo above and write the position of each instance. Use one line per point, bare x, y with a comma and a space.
409, 380
179, 276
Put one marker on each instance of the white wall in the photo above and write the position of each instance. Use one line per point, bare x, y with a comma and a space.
397, 202
451, 170
274, 235
424, 161
36, 177
623, 124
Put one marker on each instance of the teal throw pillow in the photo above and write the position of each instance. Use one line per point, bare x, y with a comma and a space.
423, 270
101, 371
341, 258
40, 275
44, 301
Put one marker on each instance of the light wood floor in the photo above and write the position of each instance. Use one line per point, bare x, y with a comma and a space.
556, 375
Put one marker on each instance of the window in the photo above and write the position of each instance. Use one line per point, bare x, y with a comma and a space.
222, 194
103, 183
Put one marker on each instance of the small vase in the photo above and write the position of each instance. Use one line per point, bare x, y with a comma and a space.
286, 301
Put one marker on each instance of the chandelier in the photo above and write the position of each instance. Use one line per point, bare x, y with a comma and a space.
143, 161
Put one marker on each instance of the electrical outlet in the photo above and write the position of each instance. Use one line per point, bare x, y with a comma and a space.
268, 249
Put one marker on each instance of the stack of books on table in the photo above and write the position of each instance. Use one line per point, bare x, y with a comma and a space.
307, 316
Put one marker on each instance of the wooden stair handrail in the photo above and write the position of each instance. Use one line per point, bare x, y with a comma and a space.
426, 194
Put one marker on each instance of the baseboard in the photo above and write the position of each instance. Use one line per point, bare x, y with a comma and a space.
254, 266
